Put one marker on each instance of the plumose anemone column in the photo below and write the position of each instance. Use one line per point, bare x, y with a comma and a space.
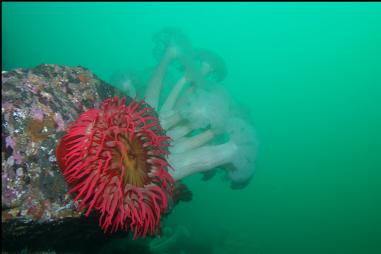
171, 45
238, 153
197, 112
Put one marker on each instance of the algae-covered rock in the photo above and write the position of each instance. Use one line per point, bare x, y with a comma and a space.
38, 214
37, 106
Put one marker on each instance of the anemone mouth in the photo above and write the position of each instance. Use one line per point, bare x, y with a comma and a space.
133, 161
115, 161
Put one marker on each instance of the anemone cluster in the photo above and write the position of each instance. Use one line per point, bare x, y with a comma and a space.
205, 127
117, 159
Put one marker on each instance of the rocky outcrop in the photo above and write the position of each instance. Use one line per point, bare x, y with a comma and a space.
37, 105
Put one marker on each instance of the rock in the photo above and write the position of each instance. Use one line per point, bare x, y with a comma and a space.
37, 213
37, 105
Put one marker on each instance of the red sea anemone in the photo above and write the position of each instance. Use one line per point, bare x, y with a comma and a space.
114, 160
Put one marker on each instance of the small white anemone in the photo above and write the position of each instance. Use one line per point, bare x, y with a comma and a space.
170, 42
211, 64
127, 82
169, 240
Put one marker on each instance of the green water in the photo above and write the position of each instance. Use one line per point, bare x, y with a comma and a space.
309, 74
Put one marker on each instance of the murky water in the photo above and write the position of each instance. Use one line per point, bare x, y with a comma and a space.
307, 75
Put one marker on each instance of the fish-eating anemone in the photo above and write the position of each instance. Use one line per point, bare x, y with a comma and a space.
114, 159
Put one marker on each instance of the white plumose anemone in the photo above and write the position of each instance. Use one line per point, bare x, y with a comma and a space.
238, 153
197, 111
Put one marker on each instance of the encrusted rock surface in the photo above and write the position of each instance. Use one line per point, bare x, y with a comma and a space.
37, 213
37, 105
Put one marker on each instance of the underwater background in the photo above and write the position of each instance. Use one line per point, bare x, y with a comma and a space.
307, 74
